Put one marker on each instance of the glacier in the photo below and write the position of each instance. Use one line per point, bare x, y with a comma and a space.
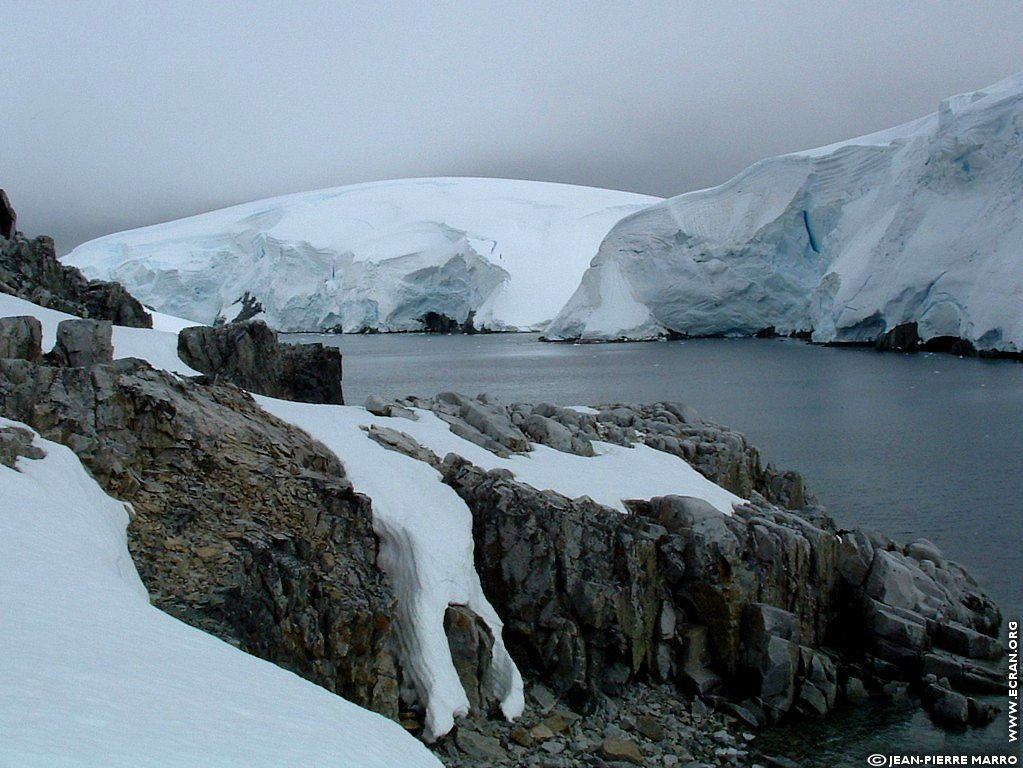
919, 224
381, 256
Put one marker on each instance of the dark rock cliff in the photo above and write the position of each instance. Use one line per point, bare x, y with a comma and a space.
250, 355
29, 269
774, 607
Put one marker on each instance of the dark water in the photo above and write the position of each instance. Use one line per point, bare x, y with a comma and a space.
913, 445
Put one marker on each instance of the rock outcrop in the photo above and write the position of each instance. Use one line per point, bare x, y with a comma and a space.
243, 525
21, 338
16, 442
720, 454
773, 608
84, 343
249, 355
8, 218
30, 270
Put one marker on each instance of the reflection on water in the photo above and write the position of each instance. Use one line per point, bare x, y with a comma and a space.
912, 445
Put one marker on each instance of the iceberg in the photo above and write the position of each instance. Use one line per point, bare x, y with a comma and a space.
919, 225
404, 255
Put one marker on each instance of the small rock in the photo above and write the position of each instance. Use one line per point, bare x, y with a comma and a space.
723, 737
560, 721
621, 749
480, 746
650, 728
541, 732
543, 697
521, 736
208, 552
377, 406
553, 747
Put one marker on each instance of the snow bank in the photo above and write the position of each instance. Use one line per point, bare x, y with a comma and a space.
372, 256
613, 476
159, 347
93, 675
921, 223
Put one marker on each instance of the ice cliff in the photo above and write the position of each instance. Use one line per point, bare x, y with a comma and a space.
922, 223
379, 256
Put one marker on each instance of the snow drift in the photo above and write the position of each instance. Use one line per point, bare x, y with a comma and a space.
94, 675
377, 256
921, 223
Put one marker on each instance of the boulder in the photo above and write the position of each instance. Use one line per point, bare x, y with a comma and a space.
855, 556
945, 706
486, 749
922, 549
696, 673
855, 691
21, 338
623, 749
470, 642
894, 582
555, 435
84, 343
15, 442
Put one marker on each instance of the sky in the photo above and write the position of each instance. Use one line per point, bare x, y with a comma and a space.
121, 114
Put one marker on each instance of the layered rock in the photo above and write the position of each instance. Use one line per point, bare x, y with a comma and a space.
249, 355
774, 608
718, 453
30, 270
243, 525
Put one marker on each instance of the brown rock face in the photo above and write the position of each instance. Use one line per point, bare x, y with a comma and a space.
243, 525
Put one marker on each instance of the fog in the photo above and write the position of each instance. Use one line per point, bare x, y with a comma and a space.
121, 114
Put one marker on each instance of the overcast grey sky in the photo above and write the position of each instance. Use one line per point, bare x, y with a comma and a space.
119, 114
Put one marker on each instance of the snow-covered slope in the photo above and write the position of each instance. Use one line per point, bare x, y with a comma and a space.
158, 346
921, 223
93, 675
372, 256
